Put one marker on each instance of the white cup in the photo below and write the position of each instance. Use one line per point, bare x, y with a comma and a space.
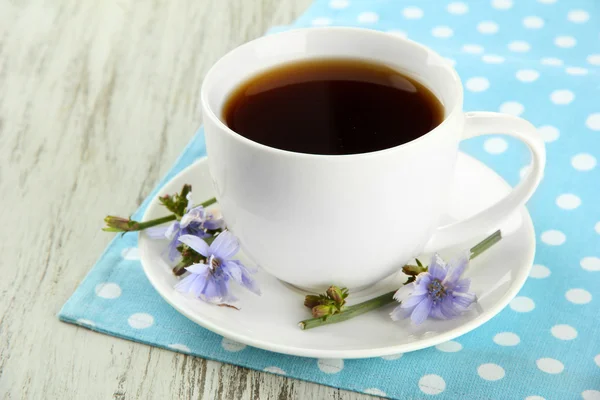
349, 220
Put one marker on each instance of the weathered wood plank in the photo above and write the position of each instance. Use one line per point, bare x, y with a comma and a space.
97, 98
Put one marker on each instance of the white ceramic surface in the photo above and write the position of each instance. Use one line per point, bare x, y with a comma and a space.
302, 217
270, 321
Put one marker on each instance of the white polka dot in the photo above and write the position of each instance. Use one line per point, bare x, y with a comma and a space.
583, 162
140, 321
477, 84
547, 1
519, 46
338, 4
330, 365
594, 59
495, 145
533, 22
553, 237
179, 347
512, 108
274, 370
412, 13
472, 49
457, 8
507, 339
568, 201
368, 17
590, 263
492, 59
565, 41
490, 372
397, 32
232, 345
578, 16
534, 398
442, 32
502, 4
549, 133
375, 392
522, 304
593, 122
432, 384
524, 171
449, 347
321, 21
562, 97
597, 360
392, 357
451, 61
550, 365
86, 322
576, 71
487, 27
590, 395
597, 227
539, 272
564, 332
108, 290
527, 75
551, 61
131, 253
578, 296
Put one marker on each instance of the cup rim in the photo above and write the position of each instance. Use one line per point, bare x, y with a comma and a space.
209, 113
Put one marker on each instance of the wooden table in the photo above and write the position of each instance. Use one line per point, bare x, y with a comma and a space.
97, 99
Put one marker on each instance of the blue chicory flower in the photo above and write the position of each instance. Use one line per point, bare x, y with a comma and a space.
210, 281
196, 221
439, 293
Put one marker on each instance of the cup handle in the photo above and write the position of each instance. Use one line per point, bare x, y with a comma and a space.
482, 223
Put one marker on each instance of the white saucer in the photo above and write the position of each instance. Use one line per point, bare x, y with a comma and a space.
270, 321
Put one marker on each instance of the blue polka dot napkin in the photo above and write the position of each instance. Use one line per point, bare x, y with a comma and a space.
536, 58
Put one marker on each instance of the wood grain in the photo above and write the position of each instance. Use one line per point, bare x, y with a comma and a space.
97, 99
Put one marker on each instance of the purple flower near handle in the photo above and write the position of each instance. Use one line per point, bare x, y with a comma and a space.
439, 293
210, 281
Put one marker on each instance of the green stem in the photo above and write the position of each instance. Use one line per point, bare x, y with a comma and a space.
208, 202
387, 298
486, 244
153, 222
118, 224
349, 312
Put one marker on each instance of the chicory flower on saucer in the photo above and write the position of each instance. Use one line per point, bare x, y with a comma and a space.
195, 221
210, 280
439, 293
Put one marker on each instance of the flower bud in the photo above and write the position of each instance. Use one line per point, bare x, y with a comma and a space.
312, 300
118, 224
336, 294
322, 310
413, 270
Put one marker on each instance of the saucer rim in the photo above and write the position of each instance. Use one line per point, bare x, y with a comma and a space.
422, 343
